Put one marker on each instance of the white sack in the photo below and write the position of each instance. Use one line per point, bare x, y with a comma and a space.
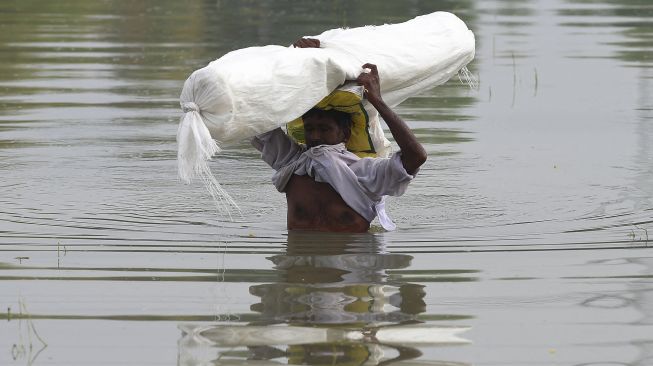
253, 90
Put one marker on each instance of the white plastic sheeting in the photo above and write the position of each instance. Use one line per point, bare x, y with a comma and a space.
253, 90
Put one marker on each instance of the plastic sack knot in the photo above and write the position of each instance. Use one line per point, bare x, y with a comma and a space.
189, 107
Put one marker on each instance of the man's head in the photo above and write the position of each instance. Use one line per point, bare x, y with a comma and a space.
322, 127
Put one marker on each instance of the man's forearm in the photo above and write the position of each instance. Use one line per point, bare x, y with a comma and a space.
413, 154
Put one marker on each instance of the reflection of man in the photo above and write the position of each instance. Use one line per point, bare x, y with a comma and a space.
331, 304
329, 188
343, 283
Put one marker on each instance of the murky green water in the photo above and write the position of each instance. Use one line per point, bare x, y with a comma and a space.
522, 242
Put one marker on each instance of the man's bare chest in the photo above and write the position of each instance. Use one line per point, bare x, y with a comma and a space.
317, 206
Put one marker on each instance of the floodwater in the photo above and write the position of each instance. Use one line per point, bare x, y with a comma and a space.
523, 241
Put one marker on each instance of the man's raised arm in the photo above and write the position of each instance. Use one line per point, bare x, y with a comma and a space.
413, 154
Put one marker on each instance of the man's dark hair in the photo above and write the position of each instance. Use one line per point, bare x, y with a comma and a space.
342, 118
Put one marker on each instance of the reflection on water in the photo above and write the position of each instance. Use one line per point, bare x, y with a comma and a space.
339, 283
335, 303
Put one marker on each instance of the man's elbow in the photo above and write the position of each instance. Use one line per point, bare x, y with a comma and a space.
421, 157
414, 161
416, 164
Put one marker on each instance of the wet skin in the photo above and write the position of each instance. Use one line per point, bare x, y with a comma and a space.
323, 130
317, 206
314, 205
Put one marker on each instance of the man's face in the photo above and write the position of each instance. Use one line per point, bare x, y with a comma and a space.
322, 130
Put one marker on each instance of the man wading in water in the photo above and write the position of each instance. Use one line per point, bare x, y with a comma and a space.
329, 188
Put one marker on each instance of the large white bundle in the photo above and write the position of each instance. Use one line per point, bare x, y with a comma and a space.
253, 90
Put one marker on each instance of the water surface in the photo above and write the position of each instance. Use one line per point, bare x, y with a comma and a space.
526, 233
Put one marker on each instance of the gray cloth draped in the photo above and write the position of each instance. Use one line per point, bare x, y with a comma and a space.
362, 183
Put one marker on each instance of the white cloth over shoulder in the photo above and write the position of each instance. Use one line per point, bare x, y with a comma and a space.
253, 90
362, 183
